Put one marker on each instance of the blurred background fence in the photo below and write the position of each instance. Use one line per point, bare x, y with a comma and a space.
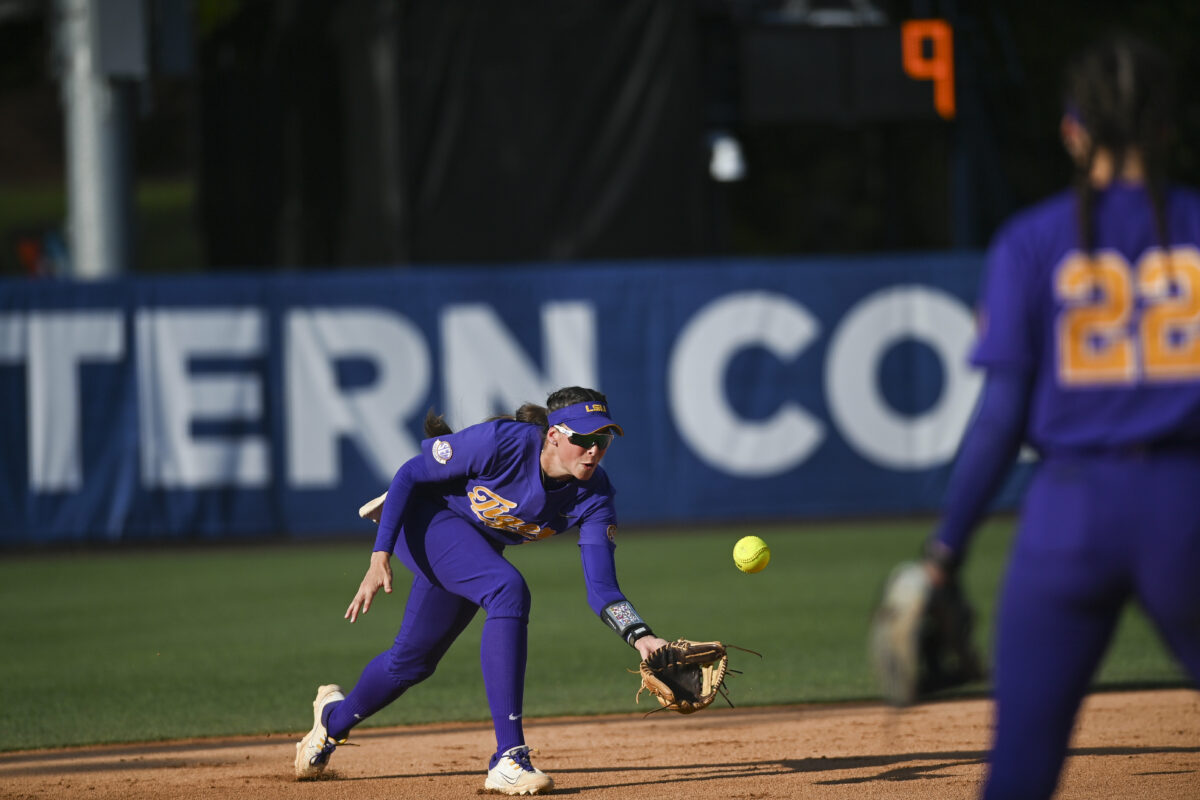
311, 133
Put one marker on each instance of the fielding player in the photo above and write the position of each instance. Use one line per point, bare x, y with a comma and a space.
1090, 335
448, 515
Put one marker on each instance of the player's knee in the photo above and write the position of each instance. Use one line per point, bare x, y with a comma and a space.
509, 598
408, 668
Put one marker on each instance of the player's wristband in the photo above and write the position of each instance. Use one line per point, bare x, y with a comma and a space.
943, 556
622, 618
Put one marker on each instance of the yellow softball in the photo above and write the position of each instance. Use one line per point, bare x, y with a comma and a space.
751, 554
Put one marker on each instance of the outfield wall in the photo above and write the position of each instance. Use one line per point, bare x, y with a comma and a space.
240, 406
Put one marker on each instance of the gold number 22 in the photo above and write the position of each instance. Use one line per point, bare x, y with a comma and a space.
1105, 337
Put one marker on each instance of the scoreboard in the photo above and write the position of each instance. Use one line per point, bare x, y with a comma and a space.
796, 73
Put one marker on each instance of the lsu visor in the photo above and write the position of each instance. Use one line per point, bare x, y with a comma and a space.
587, 417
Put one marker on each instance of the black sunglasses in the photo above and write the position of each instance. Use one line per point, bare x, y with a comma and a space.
587, 441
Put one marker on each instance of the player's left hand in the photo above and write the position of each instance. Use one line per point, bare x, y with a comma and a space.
648, 644
686, 676
921, 634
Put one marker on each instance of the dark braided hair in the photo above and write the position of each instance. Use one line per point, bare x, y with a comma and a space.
531, 413
1121, 92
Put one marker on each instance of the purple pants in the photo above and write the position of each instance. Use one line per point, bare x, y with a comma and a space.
456, 571
1095, 533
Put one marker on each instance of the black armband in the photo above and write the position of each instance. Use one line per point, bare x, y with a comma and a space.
622, 618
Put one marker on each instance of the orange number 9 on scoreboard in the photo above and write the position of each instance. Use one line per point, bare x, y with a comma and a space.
937, 66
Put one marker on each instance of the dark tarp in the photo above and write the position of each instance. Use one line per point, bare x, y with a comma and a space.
432, 131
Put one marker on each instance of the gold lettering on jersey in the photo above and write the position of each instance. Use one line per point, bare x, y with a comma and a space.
492, 510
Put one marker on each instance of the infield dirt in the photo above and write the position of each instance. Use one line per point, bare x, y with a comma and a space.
1143, 744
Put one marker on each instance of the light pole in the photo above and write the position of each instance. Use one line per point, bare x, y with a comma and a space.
101, 50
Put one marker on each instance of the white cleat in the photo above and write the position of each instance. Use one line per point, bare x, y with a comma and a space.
514, 774
314, 750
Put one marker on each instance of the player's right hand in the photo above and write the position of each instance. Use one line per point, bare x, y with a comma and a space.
379, 575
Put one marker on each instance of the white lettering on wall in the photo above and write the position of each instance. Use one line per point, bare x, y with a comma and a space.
487, 371
171, 398
858, 407
696, 384
320, 412
487, 366
59, 343
54, 345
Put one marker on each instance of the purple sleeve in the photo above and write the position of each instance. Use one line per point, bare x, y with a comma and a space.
411, 473
988, 451
600, 576
597, 527
1007, 328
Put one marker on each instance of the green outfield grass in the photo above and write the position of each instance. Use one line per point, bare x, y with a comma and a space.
114, 646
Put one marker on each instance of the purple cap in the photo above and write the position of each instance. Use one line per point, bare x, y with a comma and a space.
587, 417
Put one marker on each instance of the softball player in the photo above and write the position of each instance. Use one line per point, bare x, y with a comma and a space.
448, 515
1090, 337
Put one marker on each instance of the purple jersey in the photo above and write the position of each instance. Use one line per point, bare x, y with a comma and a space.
1112, 343
490, 474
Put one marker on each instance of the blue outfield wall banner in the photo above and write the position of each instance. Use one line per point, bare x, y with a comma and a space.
261, 405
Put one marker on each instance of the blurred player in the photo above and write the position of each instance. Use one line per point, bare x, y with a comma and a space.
448, 515
1090, 336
